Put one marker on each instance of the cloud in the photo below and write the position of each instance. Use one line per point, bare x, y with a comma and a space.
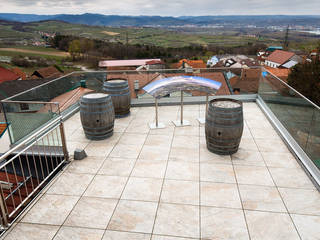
163, 7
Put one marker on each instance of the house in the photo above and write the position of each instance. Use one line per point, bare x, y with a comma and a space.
248, 82
282, 59
152, 65
7, 75
47, 72
185, 63
273, 48
126, 64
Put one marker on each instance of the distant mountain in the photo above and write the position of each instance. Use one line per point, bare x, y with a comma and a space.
139, 21
97, 19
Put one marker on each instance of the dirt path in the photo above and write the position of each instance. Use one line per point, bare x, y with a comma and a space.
57, 54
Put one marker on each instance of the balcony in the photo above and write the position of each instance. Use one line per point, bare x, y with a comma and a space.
165, 184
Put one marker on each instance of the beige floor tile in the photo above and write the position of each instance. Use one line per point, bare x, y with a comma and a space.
220, 195
253, 175
251, 158
291, 178
138, 127
117, 167
71, 184
91, 213
51, 209
223, 223
181, 192
182, 171
265, 133
184, 154
284, 160
89, 165
268, 145
98, 149
72, 146
106, 186
267, 225
261, 198
154, 152
132, 139
168, 130
186, 131
25, 231
159, 140
144, 189
125, 151
110, 141
78, 136
116, 235
133, 216
73, 233
191, 142
161, 237
177, 220
248, 144
217, 173
301, 201
149, 168
208, 157
308, 226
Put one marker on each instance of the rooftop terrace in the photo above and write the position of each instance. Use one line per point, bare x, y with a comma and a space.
165, 184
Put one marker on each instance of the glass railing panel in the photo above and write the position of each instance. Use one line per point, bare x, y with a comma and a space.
26, 117
313, 141
299, 116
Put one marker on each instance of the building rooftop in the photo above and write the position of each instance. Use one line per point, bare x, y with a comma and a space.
165, 184
280, 56
7, 75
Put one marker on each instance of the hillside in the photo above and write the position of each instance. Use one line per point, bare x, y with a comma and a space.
139, 21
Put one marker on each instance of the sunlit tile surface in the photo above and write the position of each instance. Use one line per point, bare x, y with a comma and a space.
157, 184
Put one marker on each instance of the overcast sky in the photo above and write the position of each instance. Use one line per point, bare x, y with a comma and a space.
163, 7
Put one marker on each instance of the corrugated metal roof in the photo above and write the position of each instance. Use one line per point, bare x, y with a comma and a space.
290, 64
125, 63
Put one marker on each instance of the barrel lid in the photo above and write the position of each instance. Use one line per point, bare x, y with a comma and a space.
95, 95
116, 81
225, 103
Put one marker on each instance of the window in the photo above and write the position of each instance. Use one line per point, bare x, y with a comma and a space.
24, 106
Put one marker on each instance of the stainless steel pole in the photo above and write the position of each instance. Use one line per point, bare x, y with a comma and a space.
181, 119
207, 102
156, 102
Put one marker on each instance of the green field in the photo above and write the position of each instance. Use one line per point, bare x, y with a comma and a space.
155, 36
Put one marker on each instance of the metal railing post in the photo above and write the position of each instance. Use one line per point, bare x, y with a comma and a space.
64, 143
3, 212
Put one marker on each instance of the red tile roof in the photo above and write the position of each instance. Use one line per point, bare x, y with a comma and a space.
249, 81
281, 73
280, 57
191, 63
48, 72
7, 75
20, 73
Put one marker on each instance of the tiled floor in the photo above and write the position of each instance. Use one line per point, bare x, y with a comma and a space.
165, 184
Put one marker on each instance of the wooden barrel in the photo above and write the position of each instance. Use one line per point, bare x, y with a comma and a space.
119, 91
224, 126
97, 115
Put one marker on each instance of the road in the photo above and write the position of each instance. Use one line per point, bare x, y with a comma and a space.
49, 53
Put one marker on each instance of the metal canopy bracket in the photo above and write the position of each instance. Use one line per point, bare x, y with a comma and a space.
181, 122
202, 120
156, 125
